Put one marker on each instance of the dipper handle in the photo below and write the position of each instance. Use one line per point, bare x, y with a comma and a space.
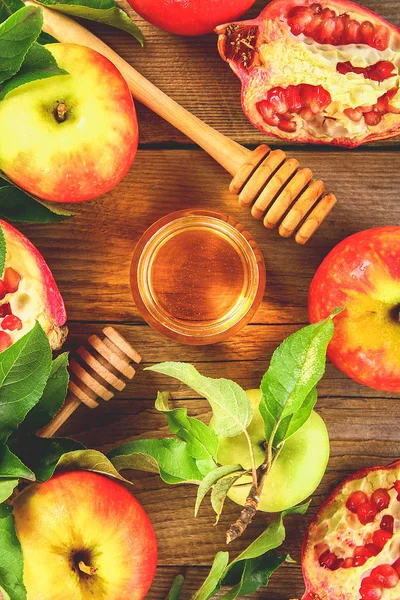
107, 364
296, 202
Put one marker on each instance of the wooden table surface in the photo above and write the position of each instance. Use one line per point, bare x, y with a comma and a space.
90, 258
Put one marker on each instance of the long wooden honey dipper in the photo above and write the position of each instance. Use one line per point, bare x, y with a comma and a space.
267, 180
107, 364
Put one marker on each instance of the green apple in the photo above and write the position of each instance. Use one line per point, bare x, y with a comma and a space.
71, 137
297, 471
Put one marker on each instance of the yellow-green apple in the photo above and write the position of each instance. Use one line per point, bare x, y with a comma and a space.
296, 472
362, 274
71, 137
28, 293
84, 536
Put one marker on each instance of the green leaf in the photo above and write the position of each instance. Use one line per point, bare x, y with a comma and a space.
11, 467
273, 536
231, 408
9, 7
220, 491
250, 575
202, 441
292, 423
17, 35
90, 460
211, 479
24, 369
39, 63
295, 368
212, 584
17, 205
169, 457
46, 38
11, 560
176, 589
53, 396
7, 486
101, 11
3, 249
43, 455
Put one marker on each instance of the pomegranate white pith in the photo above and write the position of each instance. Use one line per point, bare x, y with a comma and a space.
325, 72
28, 293
352, 548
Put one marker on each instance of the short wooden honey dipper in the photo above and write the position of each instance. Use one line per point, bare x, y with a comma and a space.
273, 185
106, 365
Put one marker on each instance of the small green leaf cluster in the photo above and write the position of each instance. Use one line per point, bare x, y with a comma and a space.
24, 59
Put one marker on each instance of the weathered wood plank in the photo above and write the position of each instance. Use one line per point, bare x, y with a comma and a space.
90, 254
192, 73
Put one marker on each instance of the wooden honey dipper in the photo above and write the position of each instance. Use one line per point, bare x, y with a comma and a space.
264, 179
108, 356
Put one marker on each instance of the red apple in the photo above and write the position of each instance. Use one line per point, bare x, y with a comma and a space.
190, 17
84, 536
362, 274
71, 137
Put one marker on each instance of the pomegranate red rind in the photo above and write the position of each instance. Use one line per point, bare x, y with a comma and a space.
362, 274
30, 293
322, 72
337, 530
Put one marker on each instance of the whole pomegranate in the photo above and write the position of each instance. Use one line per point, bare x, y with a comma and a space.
351, 550
28, 293
321, 72
190, 17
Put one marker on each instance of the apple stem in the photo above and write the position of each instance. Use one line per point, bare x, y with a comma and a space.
85, 569
61, 112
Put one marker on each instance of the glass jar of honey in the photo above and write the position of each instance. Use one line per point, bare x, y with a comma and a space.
197, 276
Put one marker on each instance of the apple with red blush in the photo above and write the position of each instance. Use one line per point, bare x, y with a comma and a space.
362, 275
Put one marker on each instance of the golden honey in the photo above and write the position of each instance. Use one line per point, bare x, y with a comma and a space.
197, 276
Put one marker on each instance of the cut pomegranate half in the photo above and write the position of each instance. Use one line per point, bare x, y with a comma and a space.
324, 72
28, 293
346, 558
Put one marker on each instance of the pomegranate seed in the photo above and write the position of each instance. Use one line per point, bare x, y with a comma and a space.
396, 566
11, 280
5, 341
397, 486
355, 500
380, 499
381, 38
325, 34
380, 537
351, 33
366, 31
387, 523
293, 99
385, 575
288, 126
372, 118
5, 309
354, 114
277, 99
366, 513
347, 563
11, 322
372, 549
360, 556
370, 590
328, 560
3, 290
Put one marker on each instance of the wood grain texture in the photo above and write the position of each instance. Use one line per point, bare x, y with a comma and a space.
192, 73
90, 257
